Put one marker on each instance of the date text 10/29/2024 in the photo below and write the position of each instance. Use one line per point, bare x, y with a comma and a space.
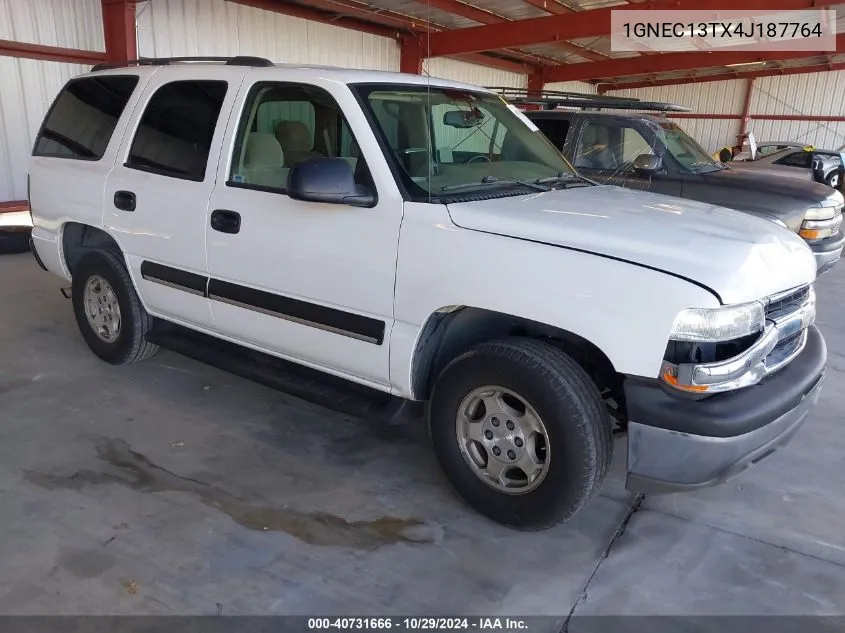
418, 624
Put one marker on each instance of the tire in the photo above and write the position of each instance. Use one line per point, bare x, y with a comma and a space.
832, 180
129, 343
579, 439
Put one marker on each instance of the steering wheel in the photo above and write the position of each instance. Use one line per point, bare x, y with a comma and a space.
477, 157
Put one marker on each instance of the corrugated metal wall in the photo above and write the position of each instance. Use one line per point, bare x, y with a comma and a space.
215, 27
572, 86
458, 70
27, 86
814, 94
717, 97
65, 23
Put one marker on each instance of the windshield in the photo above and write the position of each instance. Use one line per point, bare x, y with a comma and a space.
442, 141
686, 151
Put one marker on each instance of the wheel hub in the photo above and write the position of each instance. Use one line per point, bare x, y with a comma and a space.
503, 438
102, 308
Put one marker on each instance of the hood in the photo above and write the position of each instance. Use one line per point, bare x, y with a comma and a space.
747, 178
738, 256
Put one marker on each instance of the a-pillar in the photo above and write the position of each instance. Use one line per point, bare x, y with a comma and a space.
119, 30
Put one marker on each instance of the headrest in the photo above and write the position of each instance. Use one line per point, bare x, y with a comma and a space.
263, 149
294, 136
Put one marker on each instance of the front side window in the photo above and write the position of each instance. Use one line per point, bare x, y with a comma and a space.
685, 150
796, 159
284, 124
610, 147
82, 120
174, 135
441, 140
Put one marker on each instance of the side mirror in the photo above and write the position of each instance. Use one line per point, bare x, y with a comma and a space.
648, 163
328, 180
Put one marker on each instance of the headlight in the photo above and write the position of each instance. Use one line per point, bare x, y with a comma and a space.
719, 324
821, 222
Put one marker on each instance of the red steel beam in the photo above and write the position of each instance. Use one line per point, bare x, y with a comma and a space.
50, 53
393, 26
487, 17
360, 11
585, 24
301, 11
669, 62
698, 79
119, 30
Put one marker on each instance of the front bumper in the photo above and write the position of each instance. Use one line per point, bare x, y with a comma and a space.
677, 444
827, 252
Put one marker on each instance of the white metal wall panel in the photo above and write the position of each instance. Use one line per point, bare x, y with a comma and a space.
27, 88
811, 93
219, 28
715, 97
814, 94
65, 23
573, 86
820, 134
458, 70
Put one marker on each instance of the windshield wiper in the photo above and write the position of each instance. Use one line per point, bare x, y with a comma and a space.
496, 180
562, 177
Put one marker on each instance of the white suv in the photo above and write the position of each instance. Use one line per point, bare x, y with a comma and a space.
377, 242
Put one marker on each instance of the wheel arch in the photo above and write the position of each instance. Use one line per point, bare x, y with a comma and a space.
78, 238
452, 330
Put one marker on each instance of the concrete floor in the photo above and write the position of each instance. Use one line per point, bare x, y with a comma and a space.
169, 487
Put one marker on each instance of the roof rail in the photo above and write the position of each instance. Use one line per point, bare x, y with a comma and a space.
551, 99
240, 60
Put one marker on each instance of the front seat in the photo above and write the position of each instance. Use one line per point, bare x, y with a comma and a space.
296, 141
595, 153
263, 161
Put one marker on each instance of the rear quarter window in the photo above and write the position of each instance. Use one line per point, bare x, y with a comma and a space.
83, 117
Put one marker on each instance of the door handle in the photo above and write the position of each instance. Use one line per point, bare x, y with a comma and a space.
124, 200
226, 221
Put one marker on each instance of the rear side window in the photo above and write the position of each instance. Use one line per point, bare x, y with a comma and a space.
83, 117
554, 129
175, 131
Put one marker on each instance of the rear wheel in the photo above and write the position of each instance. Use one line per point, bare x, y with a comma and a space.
108, 311
832, 180
521, 432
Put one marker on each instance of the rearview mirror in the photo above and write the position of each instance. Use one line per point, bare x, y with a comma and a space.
648, 163
328, 180
463, 118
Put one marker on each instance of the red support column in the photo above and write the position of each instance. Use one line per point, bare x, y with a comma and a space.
119, 30
746, 109
411, 55
536, 83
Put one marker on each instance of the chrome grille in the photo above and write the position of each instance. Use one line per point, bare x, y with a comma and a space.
787, 302
785, 349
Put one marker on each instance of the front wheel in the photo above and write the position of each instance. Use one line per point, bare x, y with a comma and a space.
832, 180
108, 311
521, 432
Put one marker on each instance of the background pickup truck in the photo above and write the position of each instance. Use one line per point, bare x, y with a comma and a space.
631, 149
